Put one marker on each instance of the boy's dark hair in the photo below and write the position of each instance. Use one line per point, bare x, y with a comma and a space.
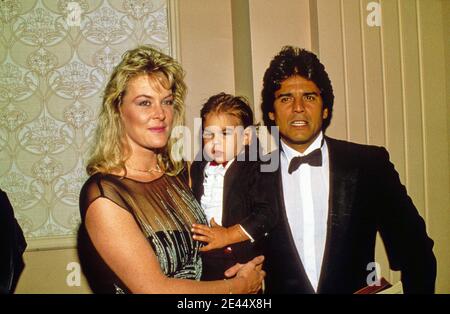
225, 103
295, 61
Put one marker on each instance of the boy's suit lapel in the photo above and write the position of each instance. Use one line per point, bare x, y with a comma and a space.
228, 182
233, 179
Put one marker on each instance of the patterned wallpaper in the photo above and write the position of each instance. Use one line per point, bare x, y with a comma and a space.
55, 57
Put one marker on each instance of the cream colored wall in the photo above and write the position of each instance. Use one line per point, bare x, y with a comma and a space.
446, 19
51, 271
274, 24
436, 143
206, 45
226, 45
390, 87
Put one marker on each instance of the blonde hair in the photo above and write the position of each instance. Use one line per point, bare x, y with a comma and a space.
111, 150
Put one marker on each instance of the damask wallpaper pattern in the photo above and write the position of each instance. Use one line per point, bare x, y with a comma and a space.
55, 57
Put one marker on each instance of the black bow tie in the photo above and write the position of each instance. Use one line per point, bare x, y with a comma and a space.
313, 159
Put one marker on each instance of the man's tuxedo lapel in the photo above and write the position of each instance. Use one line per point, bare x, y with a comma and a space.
284, 220
343, 178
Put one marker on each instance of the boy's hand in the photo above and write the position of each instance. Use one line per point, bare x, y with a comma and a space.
216, 236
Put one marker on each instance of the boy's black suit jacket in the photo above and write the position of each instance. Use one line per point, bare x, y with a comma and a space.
366, 196
244, 203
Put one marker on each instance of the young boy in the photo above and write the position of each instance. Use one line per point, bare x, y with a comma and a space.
230, 187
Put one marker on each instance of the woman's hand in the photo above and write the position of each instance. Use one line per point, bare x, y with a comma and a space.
250, 275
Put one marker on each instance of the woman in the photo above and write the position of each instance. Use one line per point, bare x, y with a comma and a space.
137, 209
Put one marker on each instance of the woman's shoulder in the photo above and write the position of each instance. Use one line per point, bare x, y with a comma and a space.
100, 185
100, 182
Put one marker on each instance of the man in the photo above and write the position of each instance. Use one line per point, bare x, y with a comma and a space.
333, 196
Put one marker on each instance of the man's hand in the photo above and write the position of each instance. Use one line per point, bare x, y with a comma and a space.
216, 236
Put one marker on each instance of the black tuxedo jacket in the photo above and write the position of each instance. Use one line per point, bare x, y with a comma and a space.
244, 203
366, 196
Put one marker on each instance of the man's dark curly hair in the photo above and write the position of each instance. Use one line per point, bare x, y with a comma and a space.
295, 61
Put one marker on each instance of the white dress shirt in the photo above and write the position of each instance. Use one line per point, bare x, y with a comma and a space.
306, 193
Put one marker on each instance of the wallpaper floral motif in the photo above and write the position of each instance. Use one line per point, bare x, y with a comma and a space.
55, 57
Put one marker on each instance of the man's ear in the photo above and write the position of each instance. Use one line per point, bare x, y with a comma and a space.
248, 136
272, 116
325, 113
